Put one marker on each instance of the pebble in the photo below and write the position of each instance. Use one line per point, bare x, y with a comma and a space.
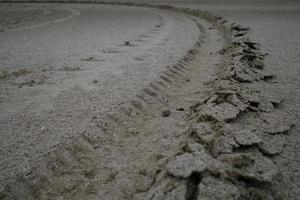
165, 113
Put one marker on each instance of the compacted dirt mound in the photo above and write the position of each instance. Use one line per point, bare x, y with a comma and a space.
204, 130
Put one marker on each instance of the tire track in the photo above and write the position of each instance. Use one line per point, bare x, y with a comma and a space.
70, 16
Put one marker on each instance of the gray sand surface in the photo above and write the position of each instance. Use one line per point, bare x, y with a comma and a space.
207, 124
74, 65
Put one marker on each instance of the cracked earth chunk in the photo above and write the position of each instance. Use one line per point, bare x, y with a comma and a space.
265, 105
246, 137
224, 144
251, 96
273, 144
276, 124
192, 147
241, 76
220, 112
214, 189
251, 167
202, 128
216, 167
245, 74
223, 95
279, 128
202, 133
184, 165
226, 85
237, 102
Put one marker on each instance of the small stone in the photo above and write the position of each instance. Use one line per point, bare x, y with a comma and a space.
180, 109
127, 43
184, 165
165, 113
267, 76
251, 96
95, 81
246, 137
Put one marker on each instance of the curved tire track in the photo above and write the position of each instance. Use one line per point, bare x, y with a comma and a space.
213, 154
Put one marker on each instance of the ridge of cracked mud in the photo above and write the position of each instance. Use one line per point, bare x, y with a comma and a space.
224, 153
237, 159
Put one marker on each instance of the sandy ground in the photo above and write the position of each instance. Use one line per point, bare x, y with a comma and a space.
70, 63
198, 132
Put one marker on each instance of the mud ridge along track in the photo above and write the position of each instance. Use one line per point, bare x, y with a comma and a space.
203, 130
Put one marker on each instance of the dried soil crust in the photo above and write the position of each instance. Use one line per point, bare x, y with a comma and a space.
202, 131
